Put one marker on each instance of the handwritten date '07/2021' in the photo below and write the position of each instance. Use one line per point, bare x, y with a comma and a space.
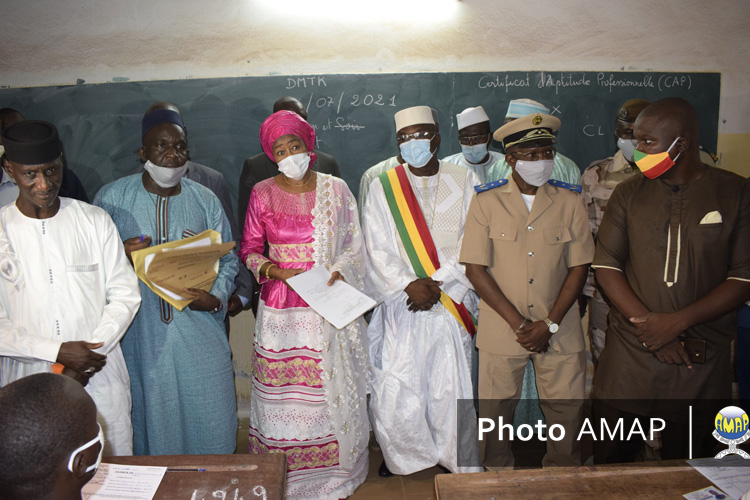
355, 100
258, 492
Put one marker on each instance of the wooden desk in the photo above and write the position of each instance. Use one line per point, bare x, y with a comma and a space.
250, 477
667, 480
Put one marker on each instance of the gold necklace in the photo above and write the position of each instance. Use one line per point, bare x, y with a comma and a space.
297, 185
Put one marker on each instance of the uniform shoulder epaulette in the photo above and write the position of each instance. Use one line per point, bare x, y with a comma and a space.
481, 188
573, 187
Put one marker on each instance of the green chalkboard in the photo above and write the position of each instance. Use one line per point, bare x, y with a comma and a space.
353, 114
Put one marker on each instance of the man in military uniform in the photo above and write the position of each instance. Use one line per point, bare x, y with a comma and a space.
527, 247
597, 183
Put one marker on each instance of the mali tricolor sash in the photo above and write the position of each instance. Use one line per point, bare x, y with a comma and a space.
416, 237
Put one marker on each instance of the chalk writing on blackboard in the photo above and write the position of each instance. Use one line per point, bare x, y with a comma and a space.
490, 82
546, 80
304, 82
672, 81
355, 100
610, 81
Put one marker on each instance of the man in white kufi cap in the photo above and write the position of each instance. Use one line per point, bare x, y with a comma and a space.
420, 333
565, 169
387, 164
474, 136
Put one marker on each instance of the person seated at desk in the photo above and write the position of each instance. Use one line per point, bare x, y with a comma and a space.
51, 444
309, 379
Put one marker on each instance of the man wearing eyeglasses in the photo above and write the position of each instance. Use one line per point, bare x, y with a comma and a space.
527, 248
420, 333
474, 136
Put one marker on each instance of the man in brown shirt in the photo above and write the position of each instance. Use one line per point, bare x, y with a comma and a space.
672, 256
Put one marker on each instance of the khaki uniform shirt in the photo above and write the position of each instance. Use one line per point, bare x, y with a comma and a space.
528, 254
674, 244
597, 184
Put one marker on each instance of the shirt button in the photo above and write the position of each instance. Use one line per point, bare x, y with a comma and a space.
502, 234
530, 228
531, 306
531, 254
531, 281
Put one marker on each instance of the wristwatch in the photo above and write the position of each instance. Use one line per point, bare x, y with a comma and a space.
553, 327
217, 308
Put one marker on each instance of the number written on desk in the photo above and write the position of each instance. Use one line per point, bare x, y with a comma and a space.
258, 491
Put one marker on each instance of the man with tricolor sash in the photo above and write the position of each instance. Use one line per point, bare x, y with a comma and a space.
420, 333
527, 248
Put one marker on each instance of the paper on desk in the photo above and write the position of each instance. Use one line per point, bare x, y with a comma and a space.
339, 303
123, 482
188, 263
732, 476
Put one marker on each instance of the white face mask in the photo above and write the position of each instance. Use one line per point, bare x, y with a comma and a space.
536, 173
163, 176
295, 166
98, 439
627, 146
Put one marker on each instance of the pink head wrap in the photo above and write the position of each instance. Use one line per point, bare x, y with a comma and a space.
286, 123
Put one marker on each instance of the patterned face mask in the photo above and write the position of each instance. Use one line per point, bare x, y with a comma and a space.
654, 165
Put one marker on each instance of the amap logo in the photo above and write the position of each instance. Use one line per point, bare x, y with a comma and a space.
732, 427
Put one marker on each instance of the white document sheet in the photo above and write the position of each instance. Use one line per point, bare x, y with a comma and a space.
123, 482
339, 303
732, 476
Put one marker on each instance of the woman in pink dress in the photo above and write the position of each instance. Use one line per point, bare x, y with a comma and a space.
309, 379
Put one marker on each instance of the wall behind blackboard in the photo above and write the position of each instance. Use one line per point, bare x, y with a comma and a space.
353, 114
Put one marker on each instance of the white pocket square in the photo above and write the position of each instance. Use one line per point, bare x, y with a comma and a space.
712, 218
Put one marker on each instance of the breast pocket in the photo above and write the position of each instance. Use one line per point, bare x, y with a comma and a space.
86, 276
557, 235
503, 233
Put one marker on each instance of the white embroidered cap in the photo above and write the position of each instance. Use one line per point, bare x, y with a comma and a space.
416, 115
471, 116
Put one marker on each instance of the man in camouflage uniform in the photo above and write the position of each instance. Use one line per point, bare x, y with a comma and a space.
597, 183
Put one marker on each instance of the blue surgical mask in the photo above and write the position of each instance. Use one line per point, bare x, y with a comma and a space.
98, 439
416, 152
474, 154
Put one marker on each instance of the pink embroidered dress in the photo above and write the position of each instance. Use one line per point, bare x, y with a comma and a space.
309, 379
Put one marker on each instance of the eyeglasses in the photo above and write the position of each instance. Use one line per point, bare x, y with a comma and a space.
545, 154
471, 140
416, 135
